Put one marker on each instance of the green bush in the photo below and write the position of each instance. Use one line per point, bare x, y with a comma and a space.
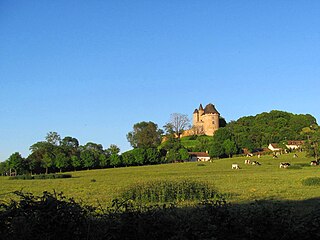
21, 177
53, 216
311, 181
40, 176
170, 191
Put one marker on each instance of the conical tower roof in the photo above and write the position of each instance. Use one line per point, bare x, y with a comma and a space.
200, 107
195, 111
210, 108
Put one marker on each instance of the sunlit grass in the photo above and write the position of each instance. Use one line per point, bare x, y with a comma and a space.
249, 183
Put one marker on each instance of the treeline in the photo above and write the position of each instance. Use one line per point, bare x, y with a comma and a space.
152, 145
56, 155
256, 132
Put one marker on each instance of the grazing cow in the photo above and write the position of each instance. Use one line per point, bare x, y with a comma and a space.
247, 161
314, 163
249, 155
275, 156
295, 155
235, 166
284, 165
256, 163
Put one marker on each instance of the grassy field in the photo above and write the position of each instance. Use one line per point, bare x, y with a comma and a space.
249, 183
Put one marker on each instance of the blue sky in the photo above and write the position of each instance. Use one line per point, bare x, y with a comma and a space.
92, 69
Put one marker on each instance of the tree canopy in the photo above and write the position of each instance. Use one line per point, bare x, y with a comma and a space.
145, 135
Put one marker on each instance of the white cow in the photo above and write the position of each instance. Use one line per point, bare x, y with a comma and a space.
235, 166
247, 161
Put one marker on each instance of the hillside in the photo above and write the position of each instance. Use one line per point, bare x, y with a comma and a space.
267, 181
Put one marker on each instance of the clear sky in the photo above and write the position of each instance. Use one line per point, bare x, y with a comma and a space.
92, 69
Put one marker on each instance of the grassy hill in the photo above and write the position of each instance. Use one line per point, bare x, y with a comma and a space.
192, 142
249, 183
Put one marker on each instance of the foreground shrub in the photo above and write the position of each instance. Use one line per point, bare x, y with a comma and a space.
52, 216
170, 191
311, 181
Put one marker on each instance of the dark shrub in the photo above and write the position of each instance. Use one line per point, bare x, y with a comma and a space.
311, 181
40, 176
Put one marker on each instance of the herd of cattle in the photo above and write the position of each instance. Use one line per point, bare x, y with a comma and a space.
282, 164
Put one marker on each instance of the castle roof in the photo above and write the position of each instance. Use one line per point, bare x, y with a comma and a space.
200, 107
195, 111
210, 109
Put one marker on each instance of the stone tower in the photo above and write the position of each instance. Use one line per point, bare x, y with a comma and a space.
206, 121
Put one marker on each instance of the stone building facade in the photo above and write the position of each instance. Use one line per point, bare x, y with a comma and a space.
205, 120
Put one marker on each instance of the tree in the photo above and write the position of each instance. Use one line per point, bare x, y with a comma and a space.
76, 162
177, 124
4, 168
47, 161
61, 161
70, 146
128, 158
313, 143
145, 135
39, 151
230, 147
115, 159
103, 160
87, 158
216, 150
139, 156
113, 149
70, 142
16, 162
184, 154
153, 156
53, 138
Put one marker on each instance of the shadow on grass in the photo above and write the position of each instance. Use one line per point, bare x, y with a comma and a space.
53, 216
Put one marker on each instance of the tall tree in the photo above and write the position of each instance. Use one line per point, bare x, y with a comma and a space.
88, 159
16, 163
113, 149
53, 138
76, 162
230, 147
313, 143
47, 161
115, 159
145, 135
62, 161
177, 124
70, 146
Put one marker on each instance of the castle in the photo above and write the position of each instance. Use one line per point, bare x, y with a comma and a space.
205, 121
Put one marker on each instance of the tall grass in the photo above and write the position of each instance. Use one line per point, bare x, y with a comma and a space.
311, 181
163, 191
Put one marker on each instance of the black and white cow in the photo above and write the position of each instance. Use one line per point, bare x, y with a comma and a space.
284, 165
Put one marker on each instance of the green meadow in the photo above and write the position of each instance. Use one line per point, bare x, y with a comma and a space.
251, 182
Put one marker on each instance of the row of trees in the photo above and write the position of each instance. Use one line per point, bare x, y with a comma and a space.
56, 154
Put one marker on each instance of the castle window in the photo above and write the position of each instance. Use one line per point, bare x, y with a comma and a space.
212, 122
